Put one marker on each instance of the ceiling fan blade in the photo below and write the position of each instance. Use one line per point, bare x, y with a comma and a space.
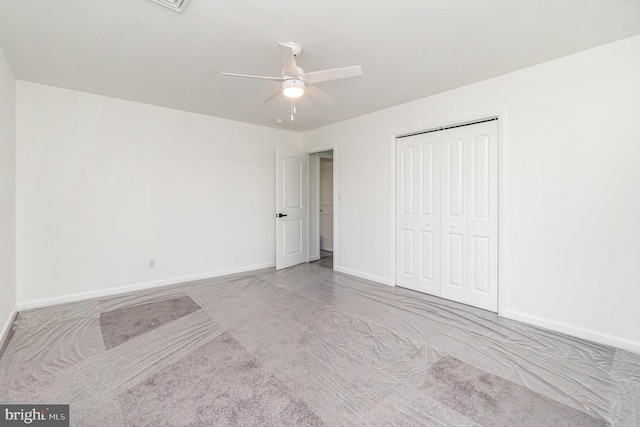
288, 60
336, 73
273, 94
316, 93
252, 77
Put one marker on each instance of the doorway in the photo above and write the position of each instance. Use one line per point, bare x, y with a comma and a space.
322, 242
326, 202
300, 197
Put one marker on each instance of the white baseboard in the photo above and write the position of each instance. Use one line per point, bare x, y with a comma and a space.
7, 324
27, 305
366, 276
574, 331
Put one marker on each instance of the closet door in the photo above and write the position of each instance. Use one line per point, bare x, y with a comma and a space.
418, 213
469, 244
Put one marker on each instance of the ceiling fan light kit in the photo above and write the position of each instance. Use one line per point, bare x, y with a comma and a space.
293, 88
294, 82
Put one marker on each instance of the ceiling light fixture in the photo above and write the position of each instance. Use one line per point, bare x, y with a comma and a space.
293, 88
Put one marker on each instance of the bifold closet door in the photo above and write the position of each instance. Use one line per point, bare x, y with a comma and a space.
469, 215
447, 214
418, 213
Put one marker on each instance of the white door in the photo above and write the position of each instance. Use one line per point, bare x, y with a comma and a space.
291, 205
418, 213
447, 214
326, 204
470, 215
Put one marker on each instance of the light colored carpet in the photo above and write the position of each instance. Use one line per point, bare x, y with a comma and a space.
125, 323
492, 401
219, 384
308, 346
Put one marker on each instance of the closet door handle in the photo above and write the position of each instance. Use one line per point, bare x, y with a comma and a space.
280, 215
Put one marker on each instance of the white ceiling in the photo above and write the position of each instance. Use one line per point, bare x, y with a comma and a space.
408, 49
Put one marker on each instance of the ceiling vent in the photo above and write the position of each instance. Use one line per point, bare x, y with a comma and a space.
177, 5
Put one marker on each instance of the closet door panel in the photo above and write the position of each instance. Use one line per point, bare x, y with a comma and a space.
418, 215
482, 223
469, 215
454, 209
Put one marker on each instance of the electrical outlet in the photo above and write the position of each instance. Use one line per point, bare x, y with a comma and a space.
152, 262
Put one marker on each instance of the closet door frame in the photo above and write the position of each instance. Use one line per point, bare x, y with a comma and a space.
501, 117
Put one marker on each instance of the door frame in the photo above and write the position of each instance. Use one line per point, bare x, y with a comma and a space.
316, 181
502, 194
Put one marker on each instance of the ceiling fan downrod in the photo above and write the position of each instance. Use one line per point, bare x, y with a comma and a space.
293, 108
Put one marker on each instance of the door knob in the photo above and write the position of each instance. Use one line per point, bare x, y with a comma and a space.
453, 226
280, 215
428, 224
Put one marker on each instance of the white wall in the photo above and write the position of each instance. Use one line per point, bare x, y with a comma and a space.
105, 184
7, 194
570, 130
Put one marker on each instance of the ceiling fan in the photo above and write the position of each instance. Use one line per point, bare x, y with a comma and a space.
294, 82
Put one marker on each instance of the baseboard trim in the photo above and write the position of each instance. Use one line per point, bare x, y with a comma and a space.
7, 324
366, 276
574, 331
46, 302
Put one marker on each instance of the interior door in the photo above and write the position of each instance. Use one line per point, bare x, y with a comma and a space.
469, 158
291, 208
418, 213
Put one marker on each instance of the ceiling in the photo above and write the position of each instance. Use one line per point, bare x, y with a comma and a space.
408, 49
